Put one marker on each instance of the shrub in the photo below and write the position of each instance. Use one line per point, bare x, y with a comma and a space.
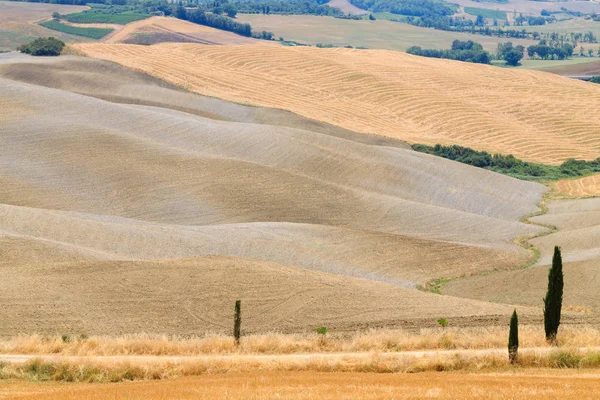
43, 47
443, 322
322, 330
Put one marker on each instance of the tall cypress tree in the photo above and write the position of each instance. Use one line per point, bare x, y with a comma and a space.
553, 299
513, 338
237, 322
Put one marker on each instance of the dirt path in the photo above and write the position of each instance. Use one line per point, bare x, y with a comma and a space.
269, 358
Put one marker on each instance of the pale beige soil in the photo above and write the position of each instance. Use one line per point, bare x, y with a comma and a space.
130, 206
578, 223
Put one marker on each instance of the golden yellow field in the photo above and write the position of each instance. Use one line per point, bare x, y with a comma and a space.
582, 187
533, 384
534, 115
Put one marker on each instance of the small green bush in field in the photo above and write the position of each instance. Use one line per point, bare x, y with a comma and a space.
43, 47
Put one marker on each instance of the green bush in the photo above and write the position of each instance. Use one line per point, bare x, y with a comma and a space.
94, 33
43, 47
510, 165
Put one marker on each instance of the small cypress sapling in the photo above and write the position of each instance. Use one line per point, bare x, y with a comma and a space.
553, 299
237, 322
513, 338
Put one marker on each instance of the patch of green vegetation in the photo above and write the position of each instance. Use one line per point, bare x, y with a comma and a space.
94, 33
486, 13
99, 16
43, 47
512, 166
595, 79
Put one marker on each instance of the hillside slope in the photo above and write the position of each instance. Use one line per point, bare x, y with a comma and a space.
164, 29
578, 235
534, 115
106, 169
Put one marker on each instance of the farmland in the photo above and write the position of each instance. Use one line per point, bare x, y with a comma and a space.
392, 94
151, 182
372, 34
100, 17
214, 217
587, 186
307, 385
486, 13
162, 29
18, 22
94, 33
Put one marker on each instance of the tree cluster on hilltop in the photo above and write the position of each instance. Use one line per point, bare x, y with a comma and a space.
468, 51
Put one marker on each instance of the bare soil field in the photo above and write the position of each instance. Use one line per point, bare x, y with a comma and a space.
533, 115
378, 34
578, 223
588, 68
346, 7
539, 384
582, 187
18, 22
533, 7
126, 190
163, 29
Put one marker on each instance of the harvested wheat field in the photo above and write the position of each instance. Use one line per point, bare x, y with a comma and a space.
131, 206
538, 384
534, 115
582, 187
164, 29
578, 223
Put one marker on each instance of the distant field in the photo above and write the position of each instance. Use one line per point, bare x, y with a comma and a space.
592, 67
99, 17
167, 29
18, 22
534, 116
531, 7
568, 67
94, 33
486, 13
346, 7
372, 34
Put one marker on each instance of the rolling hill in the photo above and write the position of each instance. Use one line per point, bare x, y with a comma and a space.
129, 205
163, 29
533, 115
578, 223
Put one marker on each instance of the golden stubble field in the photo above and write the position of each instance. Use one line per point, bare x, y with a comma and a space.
533, 115
538, 384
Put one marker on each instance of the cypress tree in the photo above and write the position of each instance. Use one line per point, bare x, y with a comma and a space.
237, 322
553, 299
513, 338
